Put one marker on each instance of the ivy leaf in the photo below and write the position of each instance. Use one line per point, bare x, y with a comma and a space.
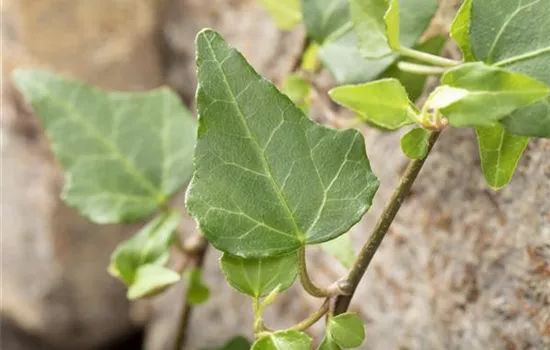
415, 143
324, 17
500, 153
346, 330
341, 248
197, 291
267, 179
235, 343
343, 59
298, 90
502, 90
124, 154
374, 19
283, 340
286, 13
149, 246
151, 279
459, 30
258, 277
384, 103
414, 83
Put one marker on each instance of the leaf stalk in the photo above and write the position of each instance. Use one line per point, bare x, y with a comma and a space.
428, 58
421, 69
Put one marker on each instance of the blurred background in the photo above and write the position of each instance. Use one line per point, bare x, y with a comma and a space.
463, 267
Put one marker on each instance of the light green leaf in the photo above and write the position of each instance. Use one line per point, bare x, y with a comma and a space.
416, 143
258, 277
384, 103
310, 59
443, 96
516, 37
124, 154
391, 20
500, 153
197, 291
324, 17
347, 330
149, 246
342, 249
298, 89
283, 340
328, 344
343, 60
267, 179
151, 279
459, 30
492, 94
235, 343
414, 83
286, 13
371, 21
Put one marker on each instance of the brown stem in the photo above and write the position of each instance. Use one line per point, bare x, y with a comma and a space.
390, 211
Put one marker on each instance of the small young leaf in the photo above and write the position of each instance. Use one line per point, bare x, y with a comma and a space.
286, 13
533, 120
347, 330
283, 340
415, 143
267, 179
151, 279
258, 277
298, 89
345, 62
414, 83
149, 246
342, 249
324, 17
500, 153
444, 96
124, 154
235, 343
502, 90
368, 20
459, 30
310, 59
391, 19
328, 344
384, 103
197, 291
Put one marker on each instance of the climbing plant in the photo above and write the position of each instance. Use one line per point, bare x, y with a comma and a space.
265, 182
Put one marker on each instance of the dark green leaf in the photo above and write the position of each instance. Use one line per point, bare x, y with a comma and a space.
500, 153
283, 340
384, 103
415, 143
151, 279
488, 86
533, 120
235, 343
286, 13
414, 83
342, 249
197, 291
124, 154
459, 30
324, 17
267, 179
347, 330
258, 277
149, 246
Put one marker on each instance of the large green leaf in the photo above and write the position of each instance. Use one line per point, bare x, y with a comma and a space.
500, 153
341, 248
460, 30
286, 13
258, 277
324, 17
492, 93
149, 246
346, 330
414, 83
124, 154
235, 343
516, 37
342, 58
371, 20
283, 340
384, 103
151, 279
267, 179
